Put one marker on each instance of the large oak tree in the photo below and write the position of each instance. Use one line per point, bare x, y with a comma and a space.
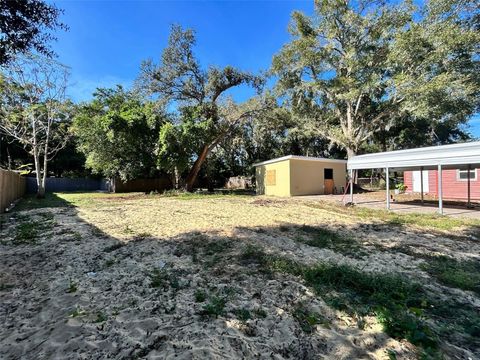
199, 99
359, 67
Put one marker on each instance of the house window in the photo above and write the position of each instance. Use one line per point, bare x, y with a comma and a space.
271, 177
462, 175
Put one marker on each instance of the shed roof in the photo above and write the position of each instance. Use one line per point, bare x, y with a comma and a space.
296, 157
454, 155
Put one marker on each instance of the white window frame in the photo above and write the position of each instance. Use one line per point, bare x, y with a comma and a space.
473, 174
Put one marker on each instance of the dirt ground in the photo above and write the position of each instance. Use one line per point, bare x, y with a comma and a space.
89, 276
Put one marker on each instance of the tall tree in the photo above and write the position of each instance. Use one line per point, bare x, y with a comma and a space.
34, 110
118, 133
199, 94
25, 26
358, 67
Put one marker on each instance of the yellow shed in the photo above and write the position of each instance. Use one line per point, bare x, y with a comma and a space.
300, 175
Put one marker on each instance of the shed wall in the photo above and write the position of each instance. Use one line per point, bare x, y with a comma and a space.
307, 177
282, 175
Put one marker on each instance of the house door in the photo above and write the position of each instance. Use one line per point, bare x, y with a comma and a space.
328, 181
416, 179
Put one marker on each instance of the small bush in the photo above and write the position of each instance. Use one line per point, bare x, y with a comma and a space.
215, 307
243, 314
200, 296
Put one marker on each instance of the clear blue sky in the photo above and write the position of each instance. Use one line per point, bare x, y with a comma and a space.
108, 40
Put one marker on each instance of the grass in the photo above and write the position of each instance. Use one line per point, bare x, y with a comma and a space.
72, 287
463, 274
429, 221
308, 320
327, 239
243, 314
113, 247
200, 296
28, 232
163, 279
182, 195
398, 303
215, 307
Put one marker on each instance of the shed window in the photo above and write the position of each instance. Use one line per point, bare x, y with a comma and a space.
463, 174
328, 174
271, 177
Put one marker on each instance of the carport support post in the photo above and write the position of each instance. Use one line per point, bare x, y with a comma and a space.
440, 192
387, 181
421, 182
469, 204
351, 185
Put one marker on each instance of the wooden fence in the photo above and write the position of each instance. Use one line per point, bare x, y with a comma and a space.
12, 187
140, 185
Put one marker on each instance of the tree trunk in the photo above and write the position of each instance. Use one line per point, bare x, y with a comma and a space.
197, 165
38, 175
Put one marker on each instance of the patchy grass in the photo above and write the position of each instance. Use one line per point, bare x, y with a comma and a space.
308, 320
114, 247
28, 232
430, 221
215, 307
243, 314
327, 239
72, 287
164, 279
463, 274
399, 304
200, 296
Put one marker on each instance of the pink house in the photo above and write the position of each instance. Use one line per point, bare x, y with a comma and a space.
455, 183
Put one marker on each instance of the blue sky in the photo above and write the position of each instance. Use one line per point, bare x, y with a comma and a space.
108, 40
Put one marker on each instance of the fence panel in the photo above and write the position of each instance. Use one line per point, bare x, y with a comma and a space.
67, 184
12, 187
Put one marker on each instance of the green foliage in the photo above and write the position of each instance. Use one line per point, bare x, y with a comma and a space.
215, 307
243, 314
357, 69
307, 319
72, 287
118, 133
204, 116
26, 26
200, 295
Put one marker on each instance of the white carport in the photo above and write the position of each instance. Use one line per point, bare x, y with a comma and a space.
456, 156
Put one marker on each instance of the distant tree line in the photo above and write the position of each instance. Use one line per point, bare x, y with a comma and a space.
356, 77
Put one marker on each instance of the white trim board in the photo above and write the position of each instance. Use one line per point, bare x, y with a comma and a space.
296, 157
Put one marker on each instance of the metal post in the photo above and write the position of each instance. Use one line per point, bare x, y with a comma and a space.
440, 190
421, 182
469, 204
387, 180
351, 185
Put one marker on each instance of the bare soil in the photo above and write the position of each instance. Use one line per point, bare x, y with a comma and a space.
138, 276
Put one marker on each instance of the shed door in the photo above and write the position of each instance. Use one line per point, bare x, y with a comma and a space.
328, 181
416, 178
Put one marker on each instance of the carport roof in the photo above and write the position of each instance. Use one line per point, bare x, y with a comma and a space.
295, 157
455, 155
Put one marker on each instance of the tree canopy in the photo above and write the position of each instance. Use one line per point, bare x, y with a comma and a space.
360, 67
27, 26
198, 96
118, 133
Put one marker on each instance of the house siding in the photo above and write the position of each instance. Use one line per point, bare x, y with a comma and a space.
452, 188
